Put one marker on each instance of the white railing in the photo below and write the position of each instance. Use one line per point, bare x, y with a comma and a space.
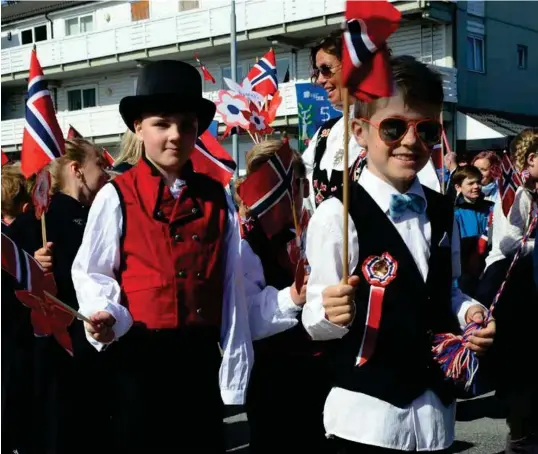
106, 121
181, 28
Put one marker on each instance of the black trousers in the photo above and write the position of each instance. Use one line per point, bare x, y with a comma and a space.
342, 446
285, 403
164, 389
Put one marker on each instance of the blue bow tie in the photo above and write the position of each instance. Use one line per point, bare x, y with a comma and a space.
400, 203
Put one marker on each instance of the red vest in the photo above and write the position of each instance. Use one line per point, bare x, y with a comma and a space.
172, 264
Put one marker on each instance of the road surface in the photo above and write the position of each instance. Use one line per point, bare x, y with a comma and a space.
480, 428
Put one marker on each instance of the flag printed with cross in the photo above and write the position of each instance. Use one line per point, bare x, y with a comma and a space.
268, 192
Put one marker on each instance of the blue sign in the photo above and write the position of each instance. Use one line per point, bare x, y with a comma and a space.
214, 128
314, 109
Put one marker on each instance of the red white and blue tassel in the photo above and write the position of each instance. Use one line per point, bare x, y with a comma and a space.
457, 361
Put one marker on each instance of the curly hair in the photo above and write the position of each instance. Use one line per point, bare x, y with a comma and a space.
523, 145
494, 162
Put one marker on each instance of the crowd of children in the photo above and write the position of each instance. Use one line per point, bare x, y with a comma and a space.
193, 307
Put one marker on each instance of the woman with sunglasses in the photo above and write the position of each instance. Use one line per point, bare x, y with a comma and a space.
324, 156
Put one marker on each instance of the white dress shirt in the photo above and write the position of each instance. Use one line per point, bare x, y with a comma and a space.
329, 161
424, 425
270, 311
94, 273
509, 231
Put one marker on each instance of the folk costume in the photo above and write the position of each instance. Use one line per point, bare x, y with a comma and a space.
164, 261
388, 394
57, 376
285, 359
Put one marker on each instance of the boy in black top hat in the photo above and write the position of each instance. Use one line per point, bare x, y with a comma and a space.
157, 275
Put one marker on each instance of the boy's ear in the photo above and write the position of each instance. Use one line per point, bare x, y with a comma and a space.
26, 207
532, 159
359, 131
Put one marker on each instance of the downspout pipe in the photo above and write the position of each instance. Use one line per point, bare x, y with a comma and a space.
55, 90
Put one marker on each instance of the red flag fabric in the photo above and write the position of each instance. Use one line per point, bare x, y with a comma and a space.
509, 181
211, 158
5, 158
42, 139
267, 192
365, 57
47, 319
207, 75
108, 158
262, 76
72, 133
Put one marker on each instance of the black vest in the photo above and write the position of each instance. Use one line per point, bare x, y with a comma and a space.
294, 341
323, 187
401, 367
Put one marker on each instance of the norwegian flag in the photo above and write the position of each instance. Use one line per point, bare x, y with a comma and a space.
365, 63
5, 158
72, 133
42, 139
262, 76
484, 238
47, 317
108, 158
211, 158
207, 75
267, 192
509, 182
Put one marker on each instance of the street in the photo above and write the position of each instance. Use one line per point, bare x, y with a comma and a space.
480, 428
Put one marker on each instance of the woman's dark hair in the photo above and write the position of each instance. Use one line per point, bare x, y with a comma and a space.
332, 44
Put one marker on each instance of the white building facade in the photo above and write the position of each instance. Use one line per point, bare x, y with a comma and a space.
90, 52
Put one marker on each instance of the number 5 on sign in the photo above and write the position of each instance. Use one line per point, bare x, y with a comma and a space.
324, 111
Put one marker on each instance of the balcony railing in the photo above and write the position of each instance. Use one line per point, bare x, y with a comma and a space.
106, 120
183, 27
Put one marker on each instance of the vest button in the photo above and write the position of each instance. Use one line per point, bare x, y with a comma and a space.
160, 214
199, 275
181, 273
195, 237
194, 210
199, 310
177, 238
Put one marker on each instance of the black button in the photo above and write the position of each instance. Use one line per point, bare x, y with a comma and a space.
177, 238
160, 214
181, 273
199, 275
195, 237
194, 210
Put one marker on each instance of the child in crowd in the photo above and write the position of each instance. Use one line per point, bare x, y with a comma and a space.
472, 213
388, 394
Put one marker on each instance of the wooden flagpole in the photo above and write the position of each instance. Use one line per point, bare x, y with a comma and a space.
345, 188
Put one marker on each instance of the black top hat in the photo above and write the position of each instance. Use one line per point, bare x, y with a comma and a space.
168, 86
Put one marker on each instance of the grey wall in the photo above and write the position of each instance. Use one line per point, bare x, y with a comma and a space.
503, 86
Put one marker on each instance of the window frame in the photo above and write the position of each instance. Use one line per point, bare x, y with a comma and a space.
33, 34
78, 17
525, 49
81, 88
475, 37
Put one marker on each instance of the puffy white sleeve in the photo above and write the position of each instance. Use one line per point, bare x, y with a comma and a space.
308, 158
97, 261
271, 311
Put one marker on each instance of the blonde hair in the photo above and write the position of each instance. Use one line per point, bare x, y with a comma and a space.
523, 145
16, 190
260, 153
76, 150
131, 149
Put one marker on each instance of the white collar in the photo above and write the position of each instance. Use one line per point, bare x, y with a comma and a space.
381, 191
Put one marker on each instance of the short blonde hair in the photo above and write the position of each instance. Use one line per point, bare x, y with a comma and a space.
523, 145
131, 149
16, 190
76, 150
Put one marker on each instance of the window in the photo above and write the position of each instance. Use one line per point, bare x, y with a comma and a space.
77, 25
475, 53
522, 55
139, 10
34, 35
282, 69
81, 98
226, 71
185, 5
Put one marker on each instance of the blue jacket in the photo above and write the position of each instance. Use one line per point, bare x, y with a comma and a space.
472, 218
